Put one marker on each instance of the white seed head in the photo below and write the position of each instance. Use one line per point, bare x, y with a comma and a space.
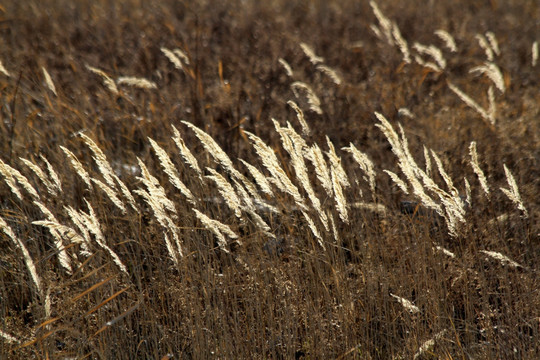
107, 81
49, 81
448, 40
313, 58
140, 83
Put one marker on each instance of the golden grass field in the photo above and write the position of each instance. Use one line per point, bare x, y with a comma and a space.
269, 180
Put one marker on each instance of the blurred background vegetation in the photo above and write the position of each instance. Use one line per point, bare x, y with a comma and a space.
294, 300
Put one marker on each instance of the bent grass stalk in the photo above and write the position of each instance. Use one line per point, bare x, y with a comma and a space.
385, 23
227, 192
107, 81
312, 98
401, 43
315, 155
493, 43
155, 190
186, 153
335, 165
365, 164
300, 116
271, 163
534, 54
137, 82
447, 179
341, 202
448, 40
450, 206
79, 169
3, 70
313, 58
166, 223
331, 73
63, 257
77, 219
493, 72
286, 66
48, 81
93, 225
260, 179
406, 163
10, 174
504, 260
468, 192
407, 304
400, 183
111, 195
477, 169
216, 152
513, 192
217, 228
170, 170
52, 174
483, 42
100, 159
472, 104
294, 144
51, 189
313, 229
434, 52
173, 58
108, 174
427, 158
26, 254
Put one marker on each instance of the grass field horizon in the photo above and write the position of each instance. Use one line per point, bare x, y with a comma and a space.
269, 180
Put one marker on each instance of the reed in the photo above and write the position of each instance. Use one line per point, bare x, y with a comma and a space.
332, 200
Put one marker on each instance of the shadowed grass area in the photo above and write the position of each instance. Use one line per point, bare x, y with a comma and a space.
285, 179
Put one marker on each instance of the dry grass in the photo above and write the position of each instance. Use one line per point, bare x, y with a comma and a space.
305, 179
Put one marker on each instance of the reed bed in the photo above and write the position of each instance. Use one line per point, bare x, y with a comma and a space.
360, 188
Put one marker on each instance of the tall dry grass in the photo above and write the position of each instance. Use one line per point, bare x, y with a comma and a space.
330, 180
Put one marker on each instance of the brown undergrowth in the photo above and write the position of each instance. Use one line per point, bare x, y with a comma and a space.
242, 179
